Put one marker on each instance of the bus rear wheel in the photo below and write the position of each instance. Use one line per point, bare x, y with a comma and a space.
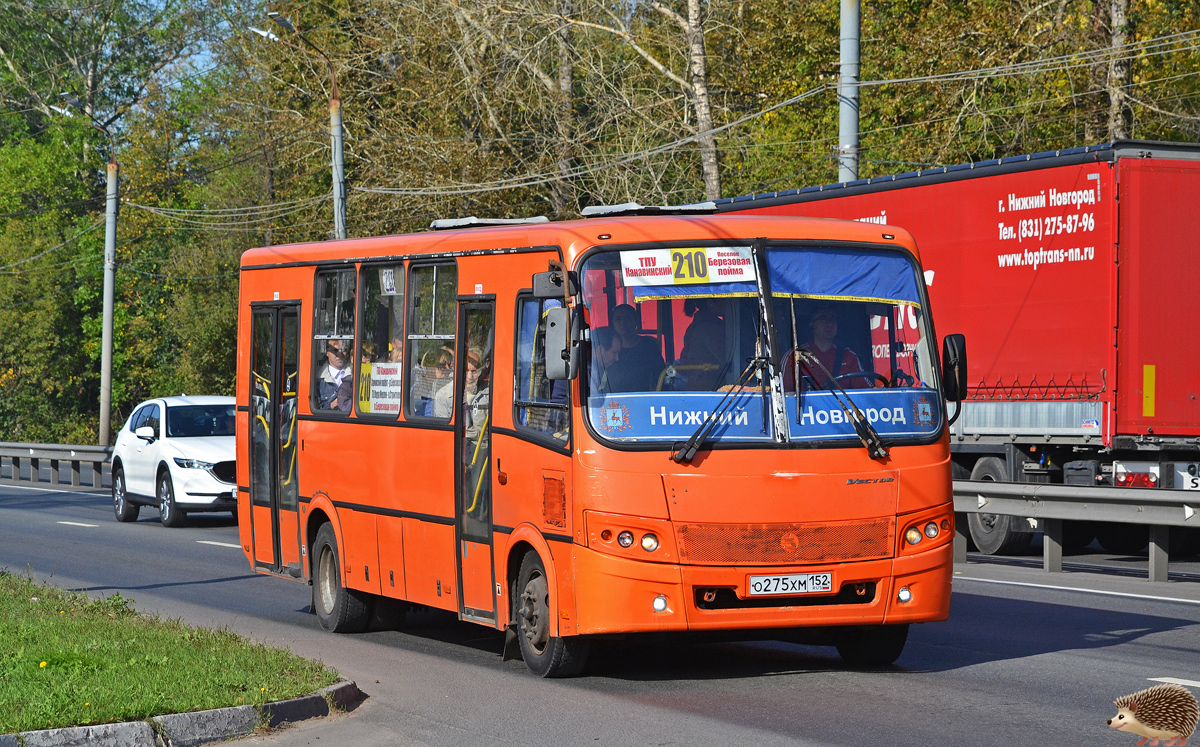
544, 654
872, 645
339, 610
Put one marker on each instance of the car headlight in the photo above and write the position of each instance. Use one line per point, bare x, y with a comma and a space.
193, 463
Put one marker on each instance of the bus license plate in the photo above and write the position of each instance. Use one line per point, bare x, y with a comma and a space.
803, 583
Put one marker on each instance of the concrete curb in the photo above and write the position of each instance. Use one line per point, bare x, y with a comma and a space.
195, 728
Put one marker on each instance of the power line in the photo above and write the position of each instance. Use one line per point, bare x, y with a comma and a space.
180, 277
1149, 47
54, 248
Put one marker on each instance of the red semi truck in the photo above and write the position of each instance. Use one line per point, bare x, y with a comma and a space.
1074, 275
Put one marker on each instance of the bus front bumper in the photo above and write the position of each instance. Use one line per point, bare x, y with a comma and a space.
618, 595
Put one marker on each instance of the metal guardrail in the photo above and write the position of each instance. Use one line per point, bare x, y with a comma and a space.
1052, 504
14, 455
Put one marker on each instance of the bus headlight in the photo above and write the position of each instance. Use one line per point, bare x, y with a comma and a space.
912, 536
625, 539
649, 542
931, 530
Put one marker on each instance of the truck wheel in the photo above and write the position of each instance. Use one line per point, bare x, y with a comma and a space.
544, 654
995, 534
1184, 542
960, 472
1122, 539
339, 610
1077, 535
872, 645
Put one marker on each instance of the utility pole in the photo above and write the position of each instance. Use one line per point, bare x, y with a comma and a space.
848, 92
339, 171
110, 269
335, 120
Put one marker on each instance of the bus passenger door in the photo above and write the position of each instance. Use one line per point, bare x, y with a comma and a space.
274, 493
473, 448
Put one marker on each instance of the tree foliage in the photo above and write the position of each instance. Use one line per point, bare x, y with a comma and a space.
501, 107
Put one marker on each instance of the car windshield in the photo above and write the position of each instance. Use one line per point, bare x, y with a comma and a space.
200, 420
671, 331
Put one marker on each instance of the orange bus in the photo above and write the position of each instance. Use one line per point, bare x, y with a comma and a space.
625, 424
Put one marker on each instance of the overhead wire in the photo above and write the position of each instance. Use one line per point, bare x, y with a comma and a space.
53, 248
1150, 47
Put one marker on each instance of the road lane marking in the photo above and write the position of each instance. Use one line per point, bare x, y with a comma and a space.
77, 524
1174, 681
95, 491
219, 544
1081, 591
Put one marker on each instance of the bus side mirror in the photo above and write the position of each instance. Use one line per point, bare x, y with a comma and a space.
562, 344
954, 367
550, 284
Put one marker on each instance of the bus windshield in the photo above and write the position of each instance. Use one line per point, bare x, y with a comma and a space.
673, 329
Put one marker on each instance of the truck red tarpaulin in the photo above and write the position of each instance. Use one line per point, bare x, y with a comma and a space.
1072, 273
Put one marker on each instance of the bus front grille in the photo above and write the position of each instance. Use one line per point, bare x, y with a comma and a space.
785, 544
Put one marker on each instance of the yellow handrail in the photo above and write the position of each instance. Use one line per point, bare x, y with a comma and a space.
475, 457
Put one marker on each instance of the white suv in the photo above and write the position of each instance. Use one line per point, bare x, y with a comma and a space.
176, 453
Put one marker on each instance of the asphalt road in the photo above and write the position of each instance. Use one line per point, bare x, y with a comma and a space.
1026, 657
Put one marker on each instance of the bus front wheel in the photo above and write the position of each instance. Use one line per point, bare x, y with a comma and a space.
544, 654
339, 610
872, 645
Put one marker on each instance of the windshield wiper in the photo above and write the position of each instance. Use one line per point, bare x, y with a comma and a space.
866, 433
685, 452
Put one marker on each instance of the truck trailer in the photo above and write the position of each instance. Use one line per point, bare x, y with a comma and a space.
1073, 275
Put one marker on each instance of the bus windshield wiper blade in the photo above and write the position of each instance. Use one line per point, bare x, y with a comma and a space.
688, 449
866, 433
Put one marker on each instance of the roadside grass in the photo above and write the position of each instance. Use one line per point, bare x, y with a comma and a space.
67, 660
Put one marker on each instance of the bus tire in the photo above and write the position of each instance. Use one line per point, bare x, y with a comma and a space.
339, 610
122, 507
872, 645
544, 654
995, 534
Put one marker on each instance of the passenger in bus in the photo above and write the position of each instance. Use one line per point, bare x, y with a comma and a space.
334, 380
396, 354
837, 360
641, 361
606, 349
428, 379
475, 398
704, 354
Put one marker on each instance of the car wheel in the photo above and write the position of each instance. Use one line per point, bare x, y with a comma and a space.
168, 511
544, 654
339, 610
124, 510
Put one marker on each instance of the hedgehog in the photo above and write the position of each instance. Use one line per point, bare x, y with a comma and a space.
1167, 712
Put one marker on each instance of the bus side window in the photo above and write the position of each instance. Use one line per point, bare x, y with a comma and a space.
333, 342
541, 405
433, 309
381, 344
